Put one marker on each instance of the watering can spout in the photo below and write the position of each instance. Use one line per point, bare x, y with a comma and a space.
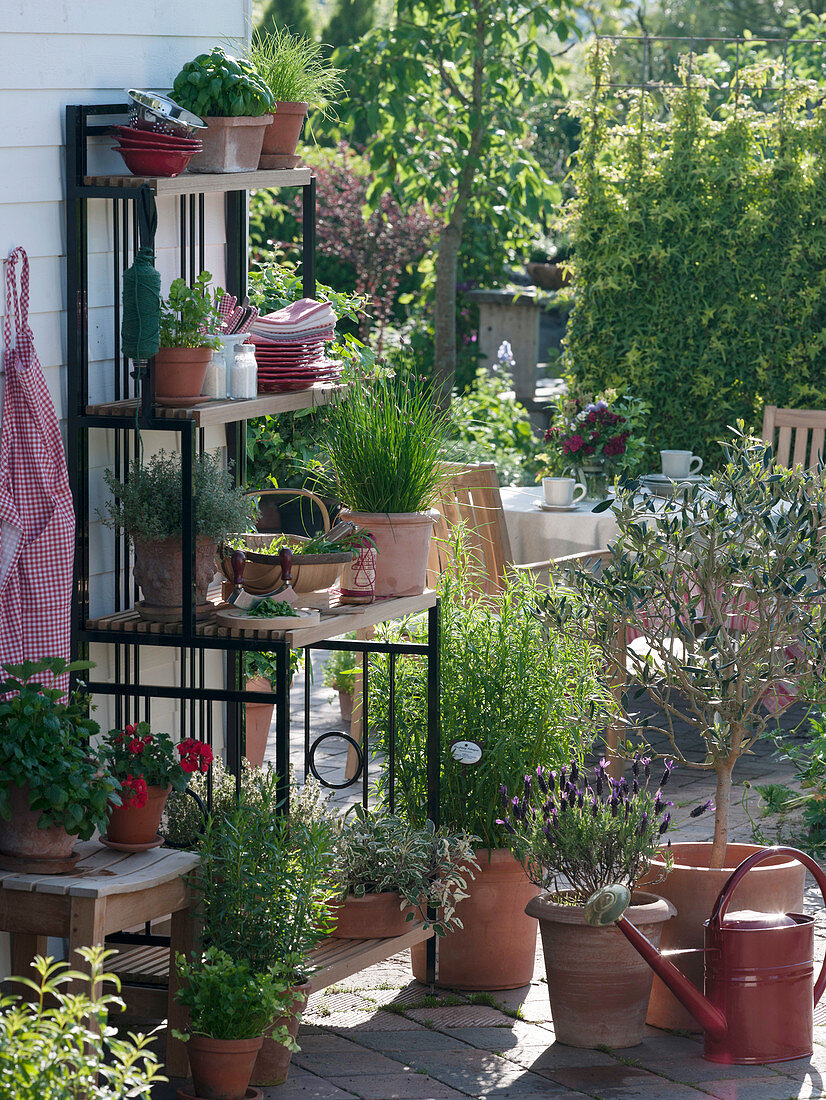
607, 906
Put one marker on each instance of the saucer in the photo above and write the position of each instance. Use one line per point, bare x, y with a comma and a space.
545, 507
156, 843
663, 479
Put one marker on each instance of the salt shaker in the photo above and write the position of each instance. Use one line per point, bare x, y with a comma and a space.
215, 381
244, 373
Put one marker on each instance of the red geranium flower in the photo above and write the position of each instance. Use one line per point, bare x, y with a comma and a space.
134, 794
136, 746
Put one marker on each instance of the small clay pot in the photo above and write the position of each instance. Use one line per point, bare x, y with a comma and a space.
281, 136
21, 838
402, 546
272, 1065
221, 1068
138, 825
345, 701
373, 917
158, 571
180, 372
257, 722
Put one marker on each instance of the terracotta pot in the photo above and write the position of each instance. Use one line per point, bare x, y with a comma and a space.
345, 701
402, 543
158, 571
373, 917
133, 825
180, 372
257, 722
272, 1065
282, 134
597, 983
21, 838
221, 1068
231, 144
692, 888
497, 946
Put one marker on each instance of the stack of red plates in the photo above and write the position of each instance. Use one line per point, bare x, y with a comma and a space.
149, 153
289, 347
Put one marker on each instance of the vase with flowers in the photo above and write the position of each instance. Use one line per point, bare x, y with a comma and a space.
595, 438
148, 766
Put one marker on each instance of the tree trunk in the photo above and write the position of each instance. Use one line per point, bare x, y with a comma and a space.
444, 311
722, 800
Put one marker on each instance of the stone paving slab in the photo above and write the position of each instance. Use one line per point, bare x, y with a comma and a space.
302, 1085
402, 1041
445, 1016
607, 1082
763, 1088
398, 1086
358, 1061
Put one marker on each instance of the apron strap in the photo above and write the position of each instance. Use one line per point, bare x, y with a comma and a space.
18, 302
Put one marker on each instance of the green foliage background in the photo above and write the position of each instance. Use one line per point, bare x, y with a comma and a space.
700, 255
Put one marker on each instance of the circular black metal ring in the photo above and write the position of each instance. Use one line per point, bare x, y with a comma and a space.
311, 760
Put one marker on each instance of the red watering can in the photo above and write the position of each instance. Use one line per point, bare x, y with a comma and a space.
759, 1001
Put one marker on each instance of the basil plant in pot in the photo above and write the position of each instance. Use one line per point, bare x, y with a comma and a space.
188, 318
392, 872
147, 506
382, 444
53, 786
723, 590
234, 103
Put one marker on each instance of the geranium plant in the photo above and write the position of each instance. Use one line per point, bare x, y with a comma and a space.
603, 430
142, 759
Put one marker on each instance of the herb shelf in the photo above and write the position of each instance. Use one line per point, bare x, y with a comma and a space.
197, 183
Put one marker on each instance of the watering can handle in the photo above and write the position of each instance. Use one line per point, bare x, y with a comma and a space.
738, 873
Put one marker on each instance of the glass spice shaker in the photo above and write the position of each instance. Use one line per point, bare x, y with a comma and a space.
244, 373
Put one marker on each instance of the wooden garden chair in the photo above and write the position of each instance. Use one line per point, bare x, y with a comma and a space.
808, 426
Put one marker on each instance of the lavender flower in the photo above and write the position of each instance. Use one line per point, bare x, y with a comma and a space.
540, 779
698, 811
646, 767
503, 795
658, 803
635, 767
506, 825
580, 799
614, 806
666, 821
669, 764
574, 771
643, 825
594, 808
527, 786
627, 809
599, 784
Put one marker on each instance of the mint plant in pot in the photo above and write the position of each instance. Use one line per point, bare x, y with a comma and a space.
148, 507
382, 444
188, 316
235, 105
53, 787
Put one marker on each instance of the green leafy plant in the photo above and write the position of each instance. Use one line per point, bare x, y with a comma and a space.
215, 84
378, 852
269, 608
228, 1000
295, 69
382, 447
318, 544
60, 1046
148, 504
189, 315
265, 664
341, 669
44, 746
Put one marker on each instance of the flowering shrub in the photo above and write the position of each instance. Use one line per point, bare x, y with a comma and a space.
601, 430
141, 759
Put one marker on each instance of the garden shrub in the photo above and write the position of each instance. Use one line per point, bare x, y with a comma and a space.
700, 254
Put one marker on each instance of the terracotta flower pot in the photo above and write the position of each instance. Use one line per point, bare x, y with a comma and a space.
158, 571
345, 701
273, 1062
597, 983
138, 825
402, 544
257, 722
231, 144
21, 838
221, 1068
282, 134
180, 372
497, 945
692, 887
373, 917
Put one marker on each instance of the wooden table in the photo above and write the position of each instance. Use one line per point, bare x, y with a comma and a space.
107, 892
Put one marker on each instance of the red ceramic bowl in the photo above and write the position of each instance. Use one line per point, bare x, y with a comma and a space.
152, 137
151, 162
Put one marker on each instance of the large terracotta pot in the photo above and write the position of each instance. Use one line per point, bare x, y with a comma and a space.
273, 1062
281, 136
497, 945
21, 838
230, 144
132, 825
257, 722
180, 372
402, 544
692, 888
373, 917
158, 571
221, 1068
597, 983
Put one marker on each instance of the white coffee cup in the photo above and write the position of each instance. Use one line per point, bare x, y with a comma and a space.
680, 463
559, 491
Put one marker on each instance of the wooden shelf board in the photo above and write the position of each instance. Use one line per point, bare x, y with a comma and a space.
212, 413
197, 183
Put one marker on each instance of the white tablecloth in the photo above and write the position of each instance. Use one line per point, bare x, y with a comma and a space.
539, 536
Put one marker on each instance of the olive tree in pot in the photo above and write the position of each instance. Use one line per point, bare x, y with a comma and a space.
53, 786
148, 507
525, 697
188, 317
724, 588
382, 444
235, 105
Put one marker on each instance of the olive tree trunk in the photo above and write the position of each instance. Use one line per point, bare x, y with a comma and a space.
722, 803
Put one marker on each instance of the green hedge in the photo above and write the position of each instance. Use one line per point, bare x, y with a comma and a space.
700, 258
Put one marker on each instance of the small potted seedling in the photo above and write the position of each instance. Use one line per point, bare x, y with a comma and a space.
188, 316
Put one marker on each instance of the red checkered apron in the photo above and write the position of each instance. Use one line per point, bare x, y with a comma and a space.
37, 519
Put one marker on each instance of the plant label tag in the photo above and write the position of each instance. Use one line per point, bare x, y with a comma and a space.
466, 752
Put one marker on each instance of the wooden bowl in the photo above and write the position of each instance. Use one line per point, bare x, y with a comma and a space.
262, 572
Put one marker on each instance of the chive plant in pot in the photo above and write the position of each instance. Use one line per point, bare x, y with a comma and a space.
263, 888
340, 674
53, 786
391, 872
148, 766
147, 506
188, 316
723, 588
588, 833
235, 105
230, 1006
523, 696
298, 74
382, 446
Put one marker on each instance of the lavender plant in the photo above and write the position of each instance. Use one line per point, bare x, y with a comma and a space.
589, 832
